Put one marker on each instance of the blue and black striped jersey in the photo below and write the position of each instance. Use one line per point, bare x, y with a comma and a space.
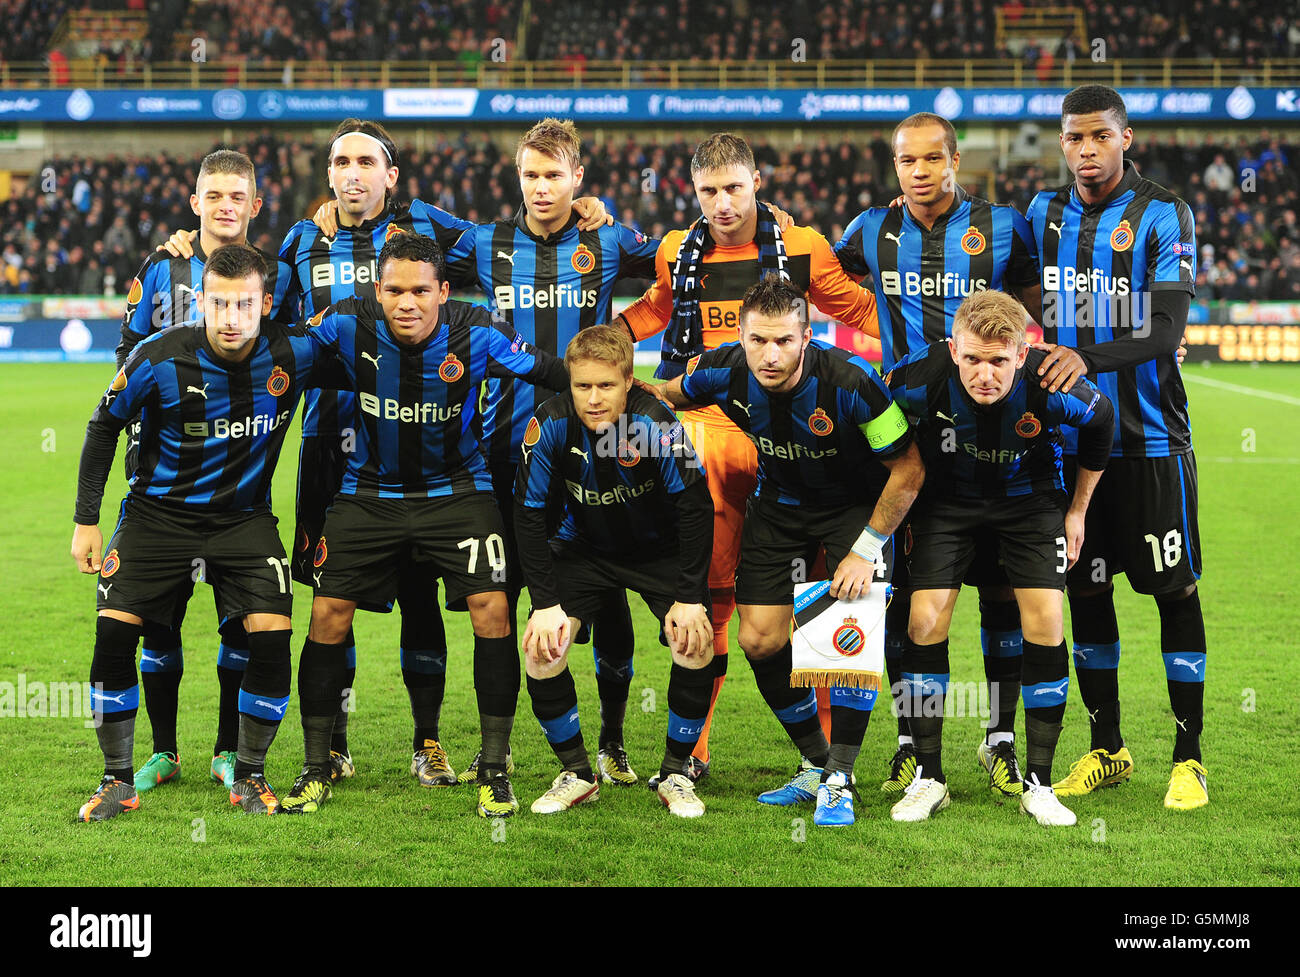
418, 424
1101, 266
920, 276
210, 430
617, 483
1011, 448
327, 270
545, 289
818, 443
162, 295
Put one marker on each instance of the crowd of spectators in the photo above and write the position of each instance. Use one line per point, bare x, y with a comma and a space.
89, 232
253, 32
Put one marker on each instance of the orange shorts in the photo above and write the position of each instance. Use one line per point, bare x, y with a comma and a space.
731, 466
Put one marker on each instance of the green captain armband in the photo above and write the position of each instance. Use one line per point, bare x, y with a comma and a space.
884, 430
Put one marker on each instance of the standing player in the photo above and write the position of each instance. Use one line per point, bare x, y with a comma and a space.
416, 498
1118, 258
924, 258
990, 438
638, 515
702, 274
214, 404
548, 279
823, 425
164, 294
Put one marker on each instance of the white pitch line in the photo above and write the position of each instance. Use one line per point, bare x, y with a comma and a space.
1254, 461
1248, 391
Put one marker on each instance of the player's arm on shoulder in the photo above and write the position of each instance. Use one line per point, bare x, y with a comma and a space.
510, 355
699, 386
462, 258
327, 217
180, 244
849, 249
637, 253
592, 213
835, 293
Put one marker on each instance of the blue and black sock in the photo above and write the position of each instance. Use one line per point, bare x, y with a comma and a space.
925, 675
115, 694
1045, 682
162, 663
1096, 666
1002, 641
1182, 642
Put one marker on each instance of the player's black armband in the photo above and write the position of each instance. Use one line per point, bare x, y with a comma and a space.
1158, 336
694, 508
96, 461
1097, 435
535, 555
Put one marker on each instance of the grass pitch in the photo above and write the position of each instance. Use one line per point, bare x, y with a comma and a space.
382, 829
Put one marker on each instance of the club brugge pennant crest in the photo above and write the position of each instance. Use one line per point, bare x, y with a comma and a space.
278, 382
1121, 239
838, 642
392, 229
110, 564
322, 553
1028, 426
849, 639
820, 423
972, 242
452, 369
627, 455
583, 260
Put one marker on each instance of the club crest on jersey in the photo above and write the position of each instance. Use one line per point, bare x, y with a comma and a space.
1121, 239
136, 292
627, 455
820, 423
849, 639
583, 260
110, 564
532, 433
315, 320
278, 382
322, 553
692, 364
1028, 426
451, 369
392, 229
972, 242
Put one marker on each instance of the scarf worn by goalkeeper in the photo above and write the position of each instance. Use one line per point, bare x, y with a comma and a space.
684, 337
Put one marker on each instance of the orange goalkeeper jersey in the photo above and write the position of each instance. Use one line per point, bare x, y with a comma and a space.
729, 271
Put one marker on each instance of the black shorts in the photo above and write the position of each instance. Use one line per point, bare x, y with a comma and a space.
779, 544
368, 544
589, 581
157, 553
986, 568
321, 464
1029, 532
1141, 522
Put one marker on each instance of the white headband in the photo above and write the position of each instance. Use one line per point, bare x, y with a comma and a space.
364, 135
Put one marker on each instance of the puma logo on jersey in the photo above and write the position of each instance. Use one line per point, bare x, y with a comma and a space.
373, 359
744, 407
104, 590
316, 577
897, 240
1053, 689
1188, 265
1054, 227
581, 454
201, 391
1181, 725
944, 417
509, 257
1194, 666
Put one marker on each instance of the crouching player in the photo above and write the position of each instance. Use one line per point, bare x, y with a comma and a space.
214, 404
638, 515
823, 425
992, 447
